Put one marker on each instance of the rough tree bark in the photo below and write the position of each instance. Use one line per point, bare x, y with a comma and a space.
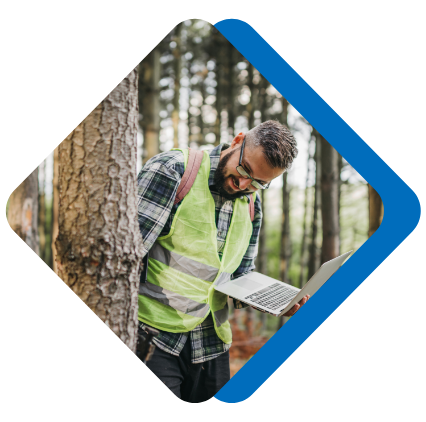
99, 244
23, 211
329, 201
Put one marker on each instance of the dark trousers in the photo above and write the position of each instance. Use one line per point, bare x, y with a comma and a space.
191, 382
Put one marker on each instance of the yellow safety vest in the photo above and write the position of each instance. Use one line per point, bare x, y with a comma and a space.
184, 265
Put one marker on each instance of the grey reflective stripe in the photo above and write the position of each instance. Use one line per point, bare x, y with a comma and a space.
221, 316
174, 300
182, 264
223, 278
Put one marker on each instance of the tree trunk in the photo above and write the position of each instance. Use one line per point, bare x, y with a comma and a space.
99, 244
375, 206
42, 210
48, 232
200, 120
285, 232
305, 228
23, 211
340, 184
262, 255
231, 91
329, 201
314, 256
149, 103
177, 53
285, 219
285, 239
261, 97
250, 105
218, 50
55, 208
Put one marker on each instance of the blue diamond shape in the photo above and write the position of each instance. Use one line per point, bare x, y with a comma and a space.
401, 205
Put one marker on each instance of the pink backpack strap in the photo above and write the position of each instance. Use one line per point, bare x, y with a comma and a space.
188, 179
251, 207
191, 171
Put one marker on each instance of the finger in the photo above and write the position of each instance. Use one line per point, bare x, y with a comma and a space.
293, 310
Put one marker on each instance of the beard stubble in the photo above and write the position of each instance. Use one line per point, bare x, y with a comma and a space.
220, 179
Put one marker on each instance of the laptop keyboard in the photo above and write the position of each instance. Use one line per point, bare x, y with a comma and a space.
273, 297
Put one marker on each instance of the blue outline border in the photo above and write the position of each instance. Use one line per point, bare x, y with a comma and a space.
402, 210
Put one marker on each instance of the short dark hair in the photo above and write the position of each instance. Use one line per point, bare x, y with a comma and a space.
277, 142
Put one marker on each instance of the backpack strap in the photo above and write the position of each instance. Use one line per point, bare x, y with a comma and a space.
194, 162
191, 171
251, 207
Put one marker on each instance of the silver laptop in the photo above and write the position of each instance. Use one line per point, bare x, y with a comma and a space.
273, 296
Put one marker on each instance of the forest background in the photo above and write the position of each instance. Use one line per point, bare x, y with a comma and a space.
196, 90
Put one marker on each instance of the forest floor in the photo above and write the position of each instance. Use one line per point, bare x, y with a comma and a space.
245, 342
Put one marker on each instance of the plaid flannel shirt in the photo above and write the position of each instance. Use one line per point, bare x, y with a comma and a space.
157, 185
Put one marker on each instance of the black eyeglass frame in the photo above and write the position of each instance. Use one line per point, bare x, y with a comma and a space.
244, 173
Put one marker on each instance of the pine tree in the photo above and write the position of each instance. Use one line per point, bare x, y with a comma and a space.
22, 213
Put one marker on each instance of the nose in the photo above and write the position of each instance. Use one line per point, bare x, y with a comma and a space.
244, 183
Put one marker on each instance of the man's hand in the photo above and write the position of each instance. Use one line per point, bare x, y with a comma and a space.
297, 306
293, 310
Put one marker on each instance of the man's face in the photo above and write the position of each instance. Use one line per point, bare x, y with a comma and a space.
229, 182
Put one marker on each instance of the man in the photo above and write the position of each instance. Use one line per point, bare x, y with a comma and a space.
206, 237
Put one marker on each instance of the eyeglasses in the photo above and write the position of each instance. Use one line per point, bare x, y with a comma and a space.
243, 172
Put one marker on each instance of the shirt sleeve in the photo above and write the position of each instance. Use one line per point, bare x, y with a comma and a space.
156, 190
247, 263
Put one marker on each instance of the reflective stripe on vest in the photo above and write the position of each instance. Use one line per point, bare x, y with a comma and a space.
175, 300
182, 264
221, 316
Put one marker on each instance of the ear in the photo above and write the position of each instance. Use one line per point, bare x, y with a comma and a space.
238, 140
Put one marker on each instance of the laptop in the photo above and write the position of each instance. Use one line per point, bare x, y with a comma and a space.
273, 296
